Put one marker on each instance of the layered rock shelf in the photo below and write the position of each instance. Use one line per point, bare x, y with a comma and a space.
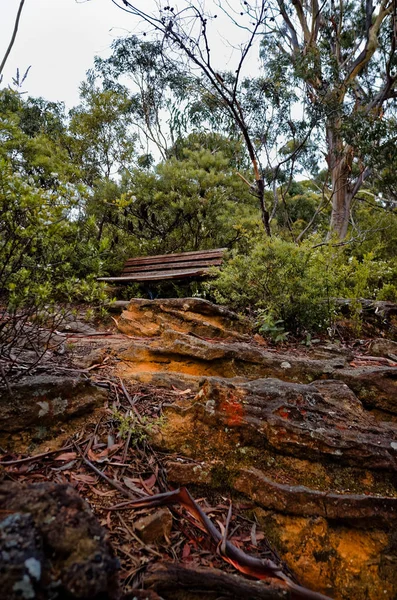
52, 546
309, 437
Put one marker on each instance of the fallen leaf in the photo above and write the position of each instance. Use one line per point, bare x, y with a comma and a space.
103, 494
131, 485
66, 456
150, 482
186, 551
84, 478
92, 456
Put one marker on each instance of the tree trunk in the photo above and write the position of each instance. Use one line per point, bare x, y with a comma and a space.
260, 186
341, 199
339, 162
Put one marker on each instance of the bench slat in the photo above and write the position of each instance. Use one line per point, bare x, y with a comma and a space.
175, 258
213, 262
158, 275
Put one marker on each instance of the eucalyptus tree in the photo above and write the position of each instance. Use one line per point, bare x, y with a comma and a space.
157, 90
342, 56
184, 39
333, 63
102, 143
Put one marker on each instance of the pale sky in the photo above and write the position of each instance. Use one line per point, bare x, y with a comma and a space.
59, 39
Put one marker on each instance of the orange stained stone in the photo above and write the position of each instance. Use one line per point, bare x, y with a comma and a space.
233, 409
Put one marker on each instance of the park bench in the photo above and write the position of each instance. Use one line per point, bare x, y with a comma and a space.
185, 265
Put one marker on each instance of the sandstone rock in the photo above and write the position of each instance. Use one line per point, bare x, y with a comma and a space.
187, 472
163, 360
52, 546
96, 356
43, 400
330, 350
312, 457
376, 387
78, 327
323, 420
180, 353
383, 347
148, 318
341, 561
154, 527
302, 500
21, 556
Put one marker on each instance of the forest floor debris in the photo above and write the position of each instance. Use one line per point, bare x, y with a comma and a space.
109, 458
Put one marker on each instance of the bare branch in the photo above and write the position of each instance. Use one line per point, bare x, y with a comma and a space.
259, 568
291, 28
14, 35
372, 42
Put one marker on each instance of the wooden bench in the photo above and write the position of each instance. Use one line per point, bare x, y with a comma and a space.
185, 265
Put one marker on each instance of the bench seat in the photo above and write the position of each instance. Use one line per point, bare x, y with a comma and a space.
184, 265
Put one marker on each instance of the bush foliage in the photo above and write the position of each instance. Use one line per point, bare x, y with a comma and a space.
77, 198
298, 284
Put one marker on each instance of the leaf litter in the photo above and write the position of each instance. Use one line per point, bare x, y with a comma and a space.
106, 468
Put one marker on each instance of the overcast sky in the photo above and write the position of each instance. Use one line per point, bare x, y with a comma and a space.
59, 39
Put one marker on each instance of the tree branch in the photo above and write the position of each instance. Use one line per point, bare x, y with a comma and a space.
291, 28
14, 35
372, 38
302, 20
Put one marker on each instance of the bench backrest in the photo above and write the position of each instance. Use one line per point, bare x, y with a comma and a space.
183, 265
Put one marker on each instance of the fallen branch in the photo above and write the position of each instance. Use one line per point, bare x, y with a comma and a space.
36, 457
166, 578
249, 565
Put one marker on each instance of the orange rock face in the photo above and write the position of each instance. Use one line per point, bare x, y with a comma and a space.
347, 563
291, 431
149, 318
295, 451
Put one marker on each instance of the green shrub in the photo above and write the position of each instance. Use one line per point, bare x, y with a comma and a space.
292, 283
388, 293
269, 327
297, 284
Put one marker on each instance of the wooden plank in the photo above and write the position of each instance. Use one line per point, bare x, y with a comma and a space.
191, 254
159, 275
166, 258
213, 262
170, 260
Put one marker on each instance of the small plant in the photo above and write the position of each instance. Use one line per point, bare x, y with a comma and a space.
89, 314
70, 346
388, 293
309, 340
133, 290
139, 428
269, 327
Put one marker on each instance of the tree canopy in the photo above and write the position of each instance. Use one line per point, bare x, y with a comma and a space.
289, 163
324, 92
